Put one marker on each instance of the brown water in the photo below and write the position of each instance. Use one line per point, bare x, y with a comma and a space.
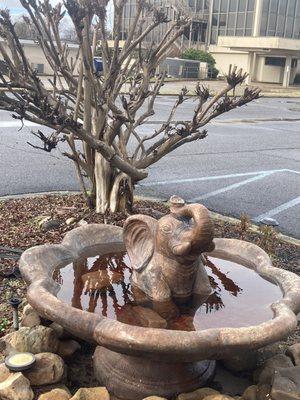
102, 284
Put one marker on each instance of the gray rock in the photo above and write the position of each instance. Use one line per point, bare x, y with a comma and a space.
244, 362
266, 373
294, 353
50, 225
286, 384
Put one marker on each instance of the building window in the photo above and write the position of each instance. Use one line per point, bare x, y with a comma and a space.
233, 5
250, 6
232, 18
275, 61
280, 18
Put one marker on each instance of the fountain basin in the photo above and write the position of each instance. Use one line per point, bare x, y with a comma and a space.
134, 361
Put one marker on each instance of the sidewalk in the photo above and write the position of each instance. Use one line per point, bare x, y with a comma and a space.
172, 88
268, 90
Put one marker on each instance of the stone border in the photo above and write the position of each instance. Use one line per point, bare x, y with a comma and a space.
37, 265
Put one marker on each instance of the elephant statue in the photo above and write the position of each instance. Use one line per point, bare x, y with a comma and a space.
166, 254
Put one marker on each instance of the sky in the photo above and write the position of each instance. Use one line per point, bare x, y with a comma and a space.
16, 9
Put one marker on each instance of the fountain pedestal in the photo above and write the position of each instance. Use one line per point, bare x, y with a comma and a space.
134, 378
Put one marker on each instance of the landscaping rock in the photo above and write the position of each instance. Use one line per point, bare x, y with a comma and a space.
265, 374
294, 353
38, 339
55, 394
218, 397
4, 372
67, 348
154, 398
16, 387
82, 222
149, 318
286, 384
70, 221
48, 369
263, 392
198, 394
96, 393
244, 362
250, 393
47, 224
58, 329
41, 219
30, 317
257, 392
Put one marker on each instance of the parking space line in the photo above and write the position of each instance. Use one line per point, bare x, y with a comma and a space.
279, 209
213, 177
16, 124
230, 187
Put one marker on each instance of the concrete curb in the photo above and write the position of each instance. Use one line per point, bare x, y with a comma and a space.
216, 216
38, 194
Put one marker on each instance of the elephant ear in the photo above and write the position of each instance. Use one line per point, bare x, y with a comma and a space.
139, 238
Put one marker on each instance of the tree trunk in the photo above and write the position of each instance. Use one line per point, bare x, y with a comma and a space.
113, 189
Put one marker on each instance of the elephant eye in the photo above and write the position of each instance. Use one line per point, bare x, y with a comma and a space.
166, 228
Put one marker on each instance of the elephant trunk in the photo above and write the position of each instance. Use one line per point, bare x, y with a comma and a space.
202, 233
198, 237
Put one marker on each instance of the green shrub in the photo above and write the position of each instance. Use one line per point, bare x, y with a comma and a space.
199, 55
203, 56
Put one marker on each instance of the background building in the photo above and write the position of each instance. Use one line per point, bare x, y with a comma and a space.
261, 36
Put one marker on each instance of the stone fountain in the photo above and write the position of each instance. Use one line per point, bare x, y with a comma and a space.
165, 311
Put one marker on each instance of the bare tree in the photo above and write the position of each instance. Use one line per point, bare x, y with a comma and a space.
68, 31
87, 110
25, 30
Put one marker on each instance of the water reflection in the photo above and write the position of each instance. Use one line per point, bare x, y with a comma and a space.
102, 284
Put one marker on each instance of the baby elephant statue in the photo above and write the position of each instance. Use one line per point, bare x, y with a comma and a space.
166, 254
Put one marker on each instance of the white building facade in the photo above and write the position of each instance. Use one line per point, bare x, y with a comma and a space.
261, 36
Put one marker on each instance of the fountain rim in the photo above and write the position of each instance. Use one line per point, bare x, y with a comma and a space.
38, 263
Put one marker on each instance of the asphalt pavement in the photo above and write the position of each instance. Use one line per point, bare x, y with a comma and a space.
248, 164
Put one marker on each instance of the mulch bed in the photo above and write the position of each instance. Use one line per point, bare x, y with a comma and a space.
19, 230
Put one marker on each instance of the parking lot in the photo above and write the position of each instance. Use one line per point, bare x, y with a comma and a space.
248, 164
